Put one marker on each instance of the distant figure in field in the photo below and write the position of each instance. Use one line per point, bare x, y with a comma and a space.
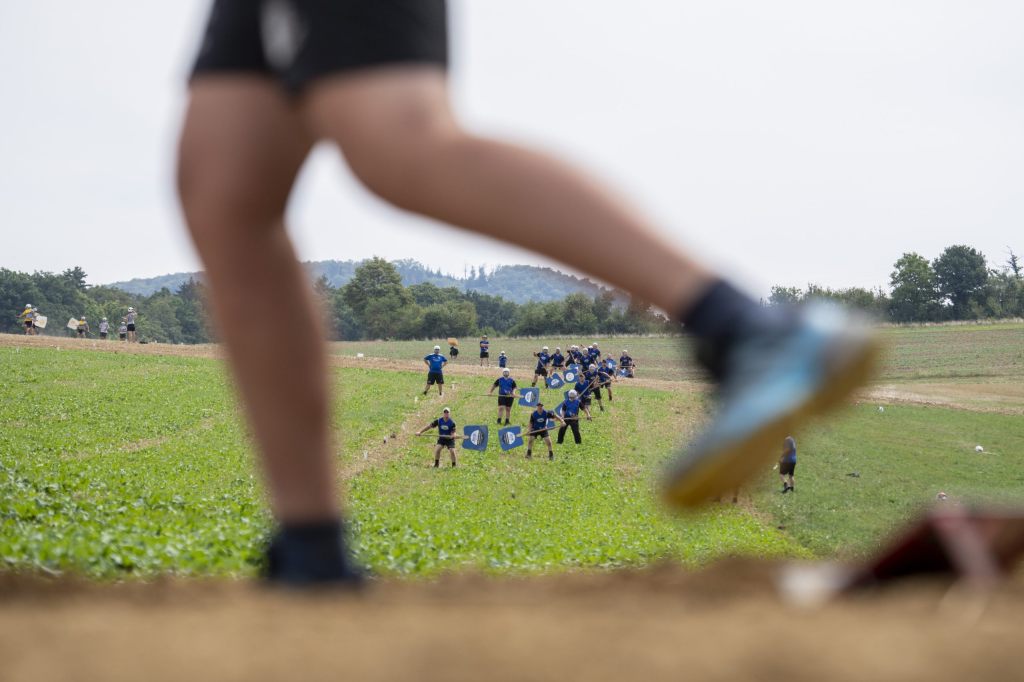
28, 317
130, 320
539, 429
445, 426
542, 365
104, 328
453, 351
122, 330
626, 364
485, 351
583, 389
571, 417
274, 78
502, 360
593, 378
787, 464
605, 377
435, 363
83, 327
557, 360
506, 386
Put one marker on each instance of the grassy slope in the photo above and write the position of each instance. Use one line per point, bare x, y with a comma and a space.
120, 464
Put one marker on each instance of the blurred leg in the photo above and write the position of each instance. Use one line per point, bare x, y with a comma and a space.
397, 132
241, 148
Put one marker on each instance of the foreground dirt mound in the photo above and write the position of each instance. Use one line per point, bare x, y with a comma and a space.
723, 623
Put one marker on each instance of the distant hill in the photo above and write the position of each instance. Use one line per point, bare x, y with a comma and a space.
518, 283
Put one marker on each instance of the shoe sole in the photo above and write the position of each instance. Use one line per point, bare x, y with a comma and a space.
724, 470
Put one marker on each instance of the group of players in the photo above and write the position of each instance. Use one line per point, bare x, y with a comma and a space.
586, 371
33, 321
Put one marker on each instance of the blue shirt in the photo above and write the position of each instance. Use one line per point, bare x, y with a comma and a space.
583, 388
570, 408
542, 359
506, 385
539, 420
484, 344
594, 354
790, 456
625, 361
445, 426
435, 361
557, 359
603, 376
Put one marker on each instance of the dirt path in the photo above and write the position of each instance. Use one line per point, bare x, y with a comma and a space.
724, 623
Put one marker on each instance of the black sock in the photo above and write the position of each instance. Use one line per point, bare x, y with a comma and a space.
718, 318
310, 553
437, 463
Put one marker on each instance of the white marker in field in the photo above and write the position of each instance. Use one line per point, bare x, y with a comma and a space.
881, 408
978, 448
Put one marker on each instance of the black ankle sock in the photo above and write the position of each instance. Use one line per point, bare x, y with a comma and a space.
302, 554
317, 531
717, 319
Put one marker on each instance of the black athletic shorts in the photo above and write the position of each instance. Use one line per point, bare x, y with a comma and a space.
541, 371
103, 335
122, 336
786, 468
484, 354
131, 327
597, 393
28, 324
298, 41
434, 378
505, 400
446, 441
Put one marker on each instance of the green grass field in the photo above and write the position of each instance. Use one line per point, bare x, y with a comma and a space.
123, 465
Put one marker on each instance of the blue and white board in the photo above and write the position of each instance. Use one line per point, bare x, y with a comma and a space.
623, 372
510, 437
476, 437
571, 375
610, 364
555, 381
528, 397
574, 367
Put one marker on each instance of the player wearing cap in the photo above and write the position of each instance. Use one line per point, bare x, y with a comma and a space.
130, 322
557, 359
28, 315
506, 386
104, 328
502, 360
83, 327
543, 358
122, 330
571, 417
539, 429
583, 390
435, 363
445, 426
605, 377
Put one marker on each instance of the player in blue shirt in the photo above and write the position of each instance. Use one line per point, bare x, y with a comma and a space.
593, 354
542, 365
787, 464
605, 377
571, 417
485, 351
502, 360
435, 363
557, 360
445, 426
583, 389
506, 386
539, 429
626, 363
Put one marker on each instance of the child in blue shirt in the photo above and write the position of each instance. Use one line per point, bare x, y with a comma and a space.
435, 363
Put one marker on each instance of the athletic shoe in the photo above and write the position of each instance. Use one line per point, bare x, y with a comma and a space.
551, 455
785, 488
772, 380
303, 562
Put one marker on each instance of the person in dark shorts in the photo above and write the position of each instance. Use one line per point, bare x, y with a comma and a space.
273, 78
28, 317
583, 390
593, 377
626, 364
83, 328
571, 417
542, 365
557, 360
506, 386
122, 330
539, 429
104, 328
485, 351
445, 426
502, 360
130, 321
787, 464
453, 352
435, 363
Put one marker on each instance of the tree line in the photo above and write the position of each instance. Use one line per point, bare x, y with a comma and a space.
956, 285
374, 304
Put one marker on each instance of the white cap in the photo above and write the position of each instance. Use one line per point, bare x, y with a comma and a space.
544, 348
131, 309
437, 347
557, 348
573, 393
505, 372
624, 350
104, 319
592, 366
446, 410
28, 305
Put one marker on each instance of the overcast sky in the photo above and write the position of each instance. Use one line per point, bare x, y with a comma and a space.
789, 142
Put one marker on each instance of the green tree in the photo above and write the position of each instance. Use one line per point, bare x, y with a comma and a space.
383, 308
961, 275
783, 295
442, 320
914, 297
